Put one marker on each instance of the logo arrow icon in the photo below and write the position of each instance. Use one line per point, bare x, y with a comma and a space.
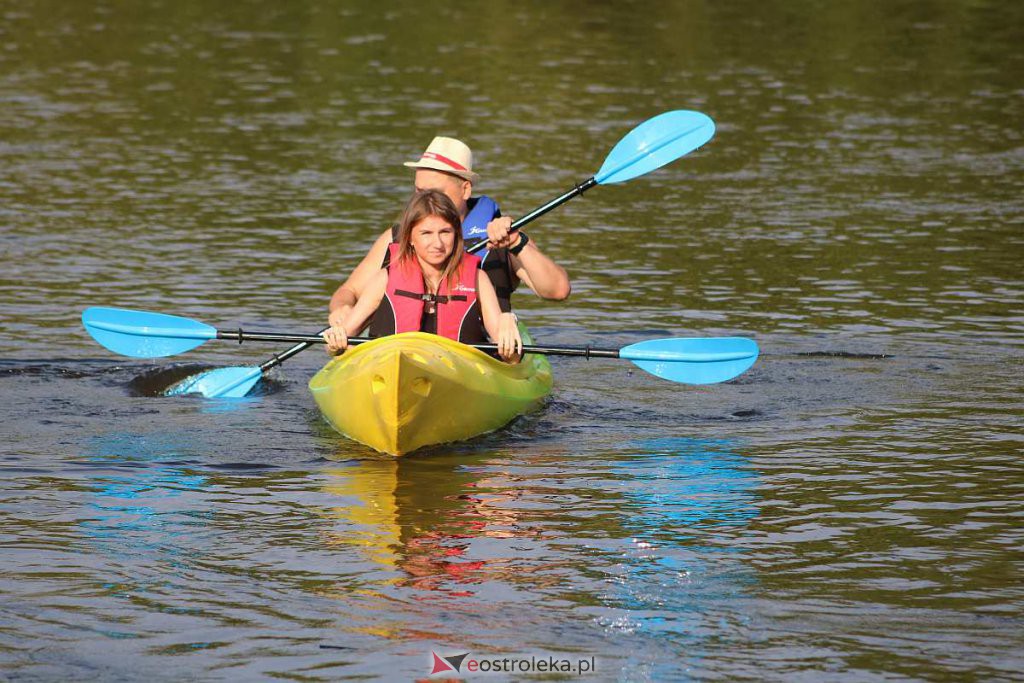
453, 663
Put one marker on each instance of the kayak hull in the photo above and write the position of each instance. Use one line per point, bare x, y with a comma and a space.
406, 391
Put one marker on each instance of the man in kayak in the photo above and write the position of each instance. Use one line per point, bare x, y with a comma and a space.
430, 285
447, 166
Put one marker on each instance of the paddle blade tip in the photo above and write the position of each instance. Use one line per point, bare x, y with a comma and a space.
654, 143
234, 382
142, 334
696, 360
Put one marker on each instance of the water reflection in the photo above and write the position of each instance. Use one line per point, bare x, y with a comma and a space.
679, 485
407, 518
103, 543
682, 498
417, 517
631, 544
371, 508
134, 493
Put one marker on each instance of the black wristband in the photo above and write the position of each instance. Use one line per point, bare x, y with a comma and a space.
523, 241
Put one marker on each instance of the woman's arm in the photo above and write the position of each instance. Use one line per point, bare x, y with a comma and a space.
501, 327
359, 316
348, 293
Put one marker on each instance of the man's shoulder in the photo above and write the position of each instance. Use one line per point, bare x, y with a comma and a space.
483, 202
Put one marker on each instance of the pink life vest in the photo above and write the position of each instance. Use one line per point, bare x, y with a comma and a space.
458, 317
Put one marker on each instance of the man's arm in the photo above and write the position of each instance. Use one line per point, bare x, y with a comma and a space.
535, 268
545, 277
348, 293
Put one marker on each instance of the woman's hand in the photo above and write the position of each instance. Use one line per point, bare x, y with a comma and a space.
509, 341
337, 340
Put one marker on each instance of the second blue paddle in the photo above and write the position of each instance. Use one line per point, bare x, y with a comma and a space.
142, 334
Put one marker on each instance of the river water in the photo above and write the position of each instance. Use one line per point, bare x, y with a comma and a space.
848, 509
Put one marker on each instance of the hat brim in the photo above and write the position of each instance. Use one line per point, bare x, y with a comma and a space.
438, 166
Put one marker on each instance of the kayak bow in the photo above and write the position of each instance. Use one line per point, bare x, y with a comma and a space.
406, 391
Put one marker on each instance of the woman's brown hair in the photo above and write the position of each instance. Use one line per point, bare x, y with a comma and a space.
423, 204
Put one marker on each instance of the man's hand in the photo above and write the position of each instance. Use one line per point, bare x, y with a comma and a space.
498, 235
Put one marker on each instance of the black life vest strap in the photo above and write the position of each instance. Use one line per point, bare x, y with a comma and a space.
427, 297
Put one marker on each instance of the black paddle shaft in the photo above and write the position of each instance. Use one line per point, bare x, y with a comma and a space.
278, 357
305, 340
541, 210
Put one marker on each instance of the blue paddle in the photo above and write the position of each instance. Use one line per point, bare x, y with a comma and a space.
142, 334
649, 146
150, 335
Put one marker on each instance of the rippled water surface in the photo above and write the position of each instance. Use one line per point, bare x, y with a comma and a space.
849, 509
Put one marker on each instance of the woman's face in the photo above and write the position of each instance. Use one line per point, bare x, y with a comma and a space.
433, 239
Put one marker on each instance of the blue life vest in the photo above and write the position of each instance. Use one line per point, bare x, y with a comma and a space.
495, 264
482, 210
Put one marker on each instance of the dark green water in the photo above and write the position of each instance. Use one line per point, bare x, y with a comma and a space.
849, 509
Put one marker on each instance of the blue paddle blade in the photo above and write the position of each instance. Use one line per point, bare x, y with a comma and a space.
693, 361
142, 334
654, 143
232, 382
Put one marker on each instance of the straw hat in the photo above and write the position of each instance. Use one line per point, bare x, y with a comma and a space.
448, 155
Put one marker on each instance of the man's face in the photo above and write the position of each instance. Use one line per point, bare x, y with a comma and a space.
457, 189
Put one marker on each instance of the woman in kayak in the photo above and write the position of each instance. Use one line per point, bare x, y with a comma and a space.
511, 258
431, 285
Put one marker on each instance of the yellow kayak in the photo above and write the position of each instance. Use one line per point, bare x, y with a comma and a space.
410, 390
